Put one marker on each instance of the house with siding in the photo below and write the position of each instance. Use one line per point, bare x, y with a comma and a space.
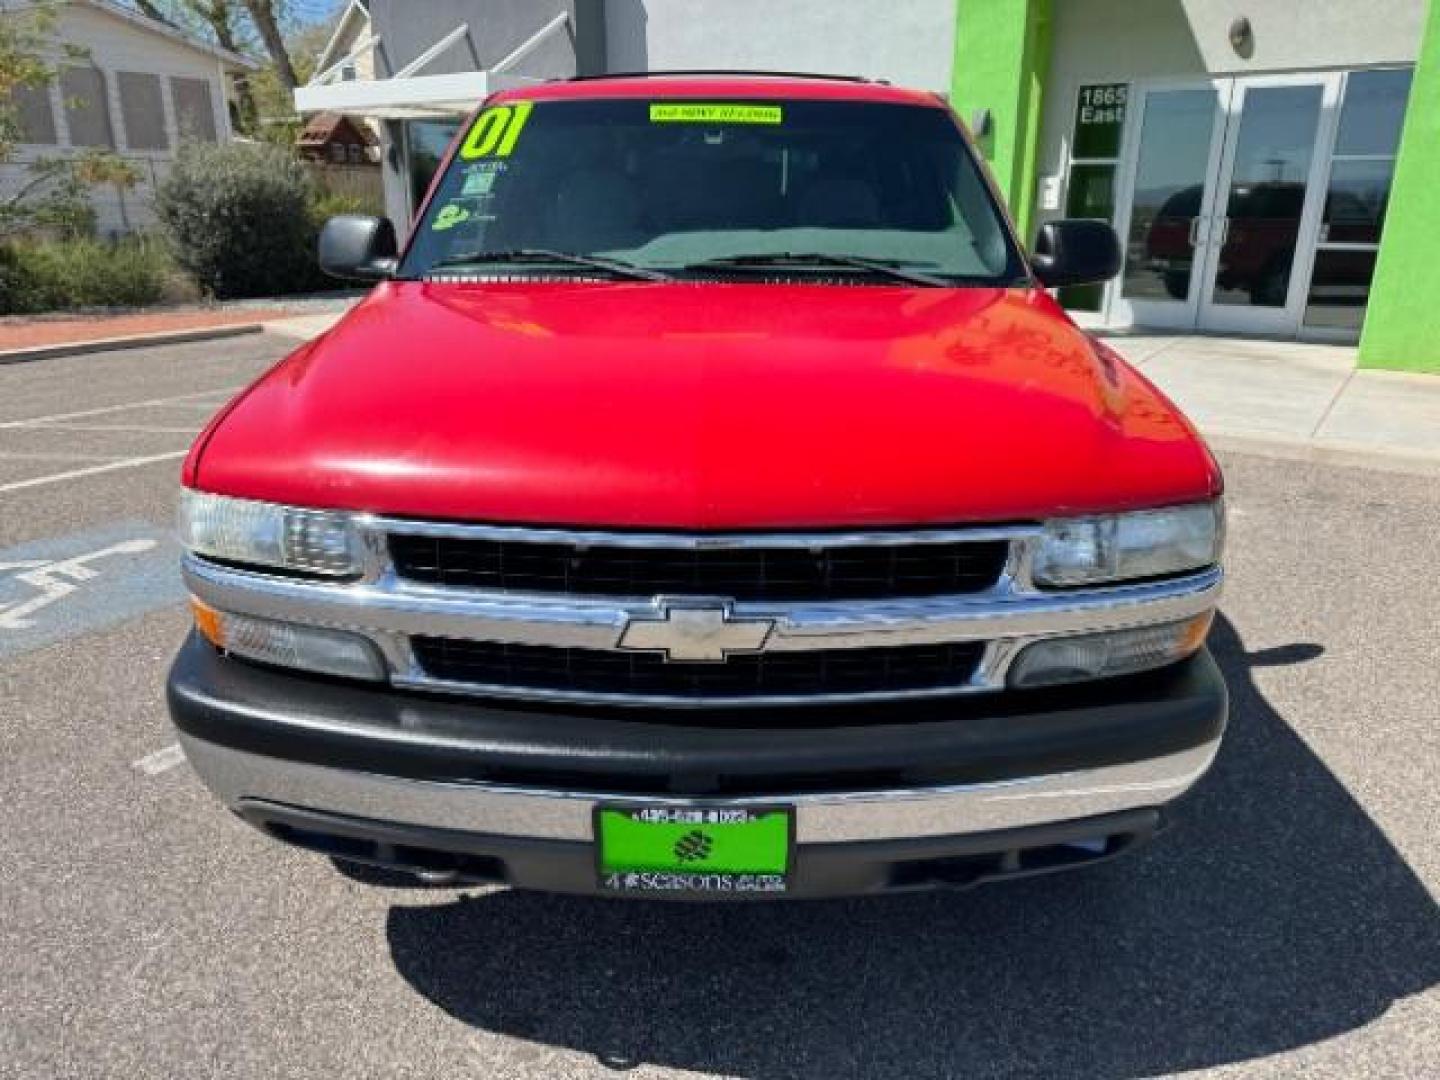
127, 84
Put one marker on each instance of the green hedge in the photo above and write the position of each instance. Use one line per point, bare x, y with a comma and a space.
240, 219
63, 274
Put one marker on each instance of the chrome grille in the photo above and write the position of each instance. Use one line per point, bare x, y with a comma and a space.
743, 572
696, 620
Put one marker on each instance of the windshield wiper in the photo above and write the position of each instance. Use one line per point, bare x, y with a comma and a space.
524, 256
819, 259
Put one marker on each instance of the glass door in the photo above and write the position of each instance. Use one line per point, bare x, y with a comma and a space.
1168, 202
1257, 244
1372, 109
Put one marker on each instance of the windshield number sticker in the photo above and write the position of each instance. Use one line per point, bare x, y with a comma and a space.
704, 112
496, 131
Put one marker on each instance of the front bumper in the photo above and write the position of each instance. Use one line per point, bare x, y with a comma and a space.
887, 796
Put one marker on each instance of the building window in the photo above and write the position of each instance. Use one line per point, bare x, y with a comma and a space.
35, 115
1356, 197
357, 154
142, 111
1094, 160
194, 109
337, 153
87, 108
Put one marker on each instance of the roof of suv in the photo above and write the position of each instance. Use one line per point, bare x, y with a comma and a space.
721, 84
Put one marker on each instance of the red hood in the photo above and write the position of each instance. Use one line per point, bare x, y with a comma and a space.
705, 406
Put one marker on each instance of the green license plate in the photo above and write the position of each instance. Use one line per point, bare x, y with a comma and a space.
697, 850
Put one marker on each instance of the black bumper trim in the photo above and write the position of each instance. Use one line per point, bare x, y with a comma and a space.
820, 870
884, 746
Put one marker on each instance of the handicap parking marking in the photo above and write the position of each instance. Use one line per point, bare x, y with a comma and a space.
53, 580
66, 586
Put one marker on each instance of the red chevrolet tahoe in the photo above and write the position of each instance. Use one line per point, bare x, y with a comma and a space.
709, 500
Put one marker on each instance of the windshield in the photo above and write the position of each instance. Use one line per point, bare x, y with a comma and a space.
673, 185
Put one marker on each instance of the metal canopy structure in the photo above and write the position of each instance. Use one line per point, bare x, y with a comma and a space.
410, 94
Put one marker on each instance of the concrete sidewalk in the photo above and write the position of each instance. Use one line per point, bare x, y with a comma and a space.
1306, 397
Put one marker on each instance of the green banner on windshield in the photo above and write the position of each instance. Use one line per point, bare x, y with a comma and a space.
704, 112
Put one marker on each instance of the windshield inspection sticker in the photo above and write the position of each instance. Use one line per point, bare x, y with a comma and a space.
480, 177
70, 585
496, 131
703, 112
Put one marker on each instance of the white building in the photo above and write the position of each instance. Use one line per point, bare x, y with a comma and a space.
136, 87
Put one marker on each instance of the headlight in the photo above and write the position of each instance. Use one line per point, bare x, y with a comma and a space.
1103, 655
264, 534
1118, 547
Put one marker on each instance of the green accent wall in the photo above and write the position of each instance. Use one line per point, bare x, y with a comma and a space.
1002, 57
1402, 321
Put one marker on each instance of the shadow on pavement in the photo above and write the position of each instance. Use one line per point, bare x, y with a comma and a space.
1273, 915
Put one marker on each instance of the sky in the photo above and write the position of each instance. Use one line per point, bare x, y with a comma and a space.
313, 11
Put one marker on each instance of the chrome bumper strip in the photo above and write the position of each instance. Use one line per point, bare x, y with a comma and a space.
391, 606
820, 818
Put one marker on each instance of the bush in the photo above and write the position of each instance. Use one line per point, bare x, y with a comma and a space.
239, 219
79, 273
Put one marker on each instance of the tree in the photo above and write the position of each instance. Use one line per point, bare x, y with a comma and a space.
148, 8
262, 13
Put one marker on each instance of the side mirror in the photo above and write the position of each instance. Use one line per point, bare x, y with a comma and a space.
1075, 252
358, 247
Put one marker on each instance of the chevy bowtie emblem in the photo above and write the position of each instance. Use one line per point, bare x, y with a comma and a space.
694, 630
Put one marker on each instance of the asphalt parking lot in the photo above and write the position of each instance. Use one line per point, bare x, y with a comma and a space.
1286, 926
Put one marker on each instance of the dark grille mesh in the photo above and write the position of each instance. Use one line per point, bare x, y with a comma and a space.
751, 573
828, 671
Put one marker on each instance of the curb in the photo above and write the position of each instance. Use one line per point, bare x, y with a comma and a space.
132, 341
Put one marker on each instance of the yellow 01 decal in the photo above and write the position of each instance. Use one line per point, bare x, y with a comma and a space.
496, 131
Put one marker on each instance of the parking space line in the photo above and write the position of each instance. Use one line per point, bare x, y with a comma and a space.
82, 413
92, 470
17, 455
115, 427
162, 760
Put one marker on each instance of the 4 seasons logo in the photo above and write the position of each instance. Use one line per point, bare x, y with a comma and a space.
693, 882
